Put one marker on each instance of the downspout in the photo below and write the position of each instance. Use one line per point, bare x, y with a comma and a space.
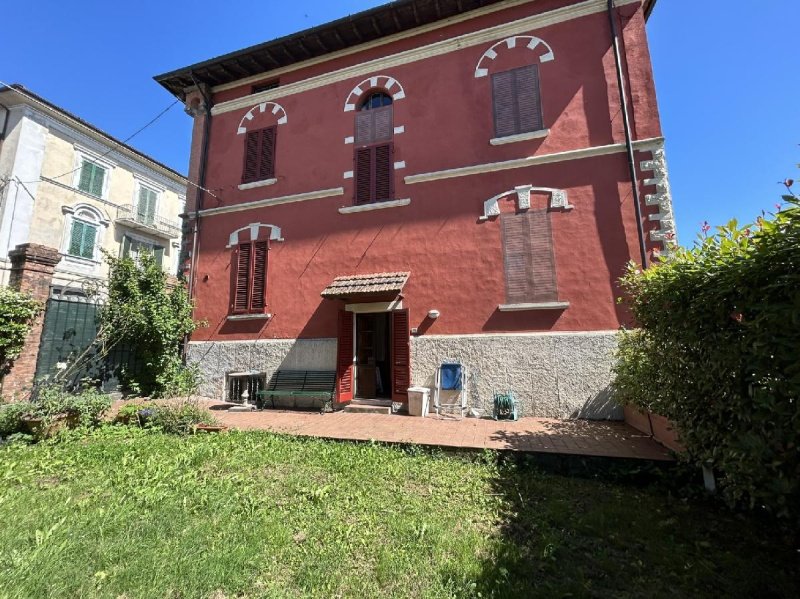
198, 205
201, 183
627, 126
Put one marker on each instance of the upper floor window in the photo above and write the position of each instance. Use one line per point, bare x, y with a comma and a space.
517, 101
84, 227
92, 177
250, 278
146, 205
259, 155
135, 248
373, 168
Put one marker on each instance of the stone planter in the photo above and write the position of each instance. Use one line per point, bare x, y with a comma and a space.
658, 427
637, 419
44, 428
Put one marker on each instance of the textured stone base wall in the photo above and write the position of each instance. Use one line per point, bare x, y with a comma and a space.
218, 358
554, 375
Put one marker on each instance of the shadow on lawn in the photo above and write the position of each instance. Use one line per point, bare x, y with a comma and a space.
583, 526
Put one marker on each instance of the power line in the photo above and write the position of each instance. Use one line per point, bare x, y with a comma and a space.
115, 142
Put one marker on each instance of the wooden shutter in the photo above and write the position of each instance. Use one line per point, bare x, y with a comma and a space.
85, 181
266, 160
344, 358
401, 356
98, 174
528, 257
383, 124
76, 238
363, 175
241, 291
146, 210
252, 145
543, 264
89, 237
529, 104
158, 254
382, 182
505, 122
126, 246
258, 295
516, 101
364, 127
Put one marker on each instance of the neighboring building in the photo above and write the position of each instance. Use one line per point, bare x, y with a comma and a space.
66, 184
424, 181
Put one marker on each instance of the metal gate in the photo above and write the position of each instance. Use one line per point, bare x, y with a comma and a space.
69, 342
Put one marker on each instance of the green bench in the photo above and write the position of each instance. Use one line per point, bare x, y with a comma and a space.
320, 384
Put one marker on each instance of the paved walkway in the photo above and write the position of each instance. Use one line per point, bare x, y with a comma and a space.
574, 437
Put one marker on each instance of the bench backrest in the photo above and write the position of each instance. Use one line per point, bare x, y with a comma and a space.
302, 380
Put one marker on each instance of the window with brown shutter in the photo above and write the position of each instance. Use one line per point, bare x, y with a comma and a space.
528, 259
250, 278
517, 101
259, 155
374, 174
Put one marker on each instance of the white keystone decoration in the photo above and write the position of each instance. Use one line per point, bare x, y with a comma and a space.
390, 84
275, 109
254, 230
531, 42
558, 200
657, 165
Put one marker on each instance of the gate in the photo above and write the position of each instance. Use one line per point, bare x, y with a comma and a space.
69, 333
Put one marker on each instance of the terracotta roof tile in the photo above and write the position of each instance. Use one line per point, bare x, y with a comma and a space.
382, 282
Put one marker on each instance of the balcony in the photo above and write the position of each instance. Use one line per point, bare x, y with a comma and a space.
132, 217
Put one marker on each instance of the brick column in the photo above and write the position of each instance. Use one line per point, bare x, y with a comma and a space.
32, 267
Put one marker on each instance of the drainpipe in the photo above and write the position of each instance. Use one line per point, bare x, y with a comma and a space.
201, 182
627, 126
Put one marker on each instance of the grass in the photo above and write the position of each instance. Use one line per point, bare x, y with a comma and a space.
136, 514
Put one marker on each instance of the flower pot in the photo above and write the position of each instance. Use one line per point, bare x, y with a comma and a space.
44, 428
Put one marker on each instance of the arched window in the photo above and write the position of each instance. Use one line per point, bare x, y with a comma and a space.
376, 99
374, 129
83, 234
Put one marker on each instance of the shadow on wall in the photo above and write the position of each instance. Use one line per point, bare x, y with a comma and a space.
600, 407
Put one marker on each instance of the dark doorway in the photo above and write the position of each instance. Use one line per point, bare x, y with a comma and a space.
373, 356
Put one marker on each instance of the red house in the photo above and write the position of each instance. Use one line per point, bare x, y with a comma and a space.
426, 181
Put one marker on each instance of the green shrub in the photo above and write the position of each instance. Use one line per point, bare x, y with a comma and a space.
11, 417
17, 310
178, 419
718, 353
88, 406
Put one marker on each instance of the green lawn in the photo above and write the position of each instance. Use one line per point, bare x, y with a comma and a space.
136, 514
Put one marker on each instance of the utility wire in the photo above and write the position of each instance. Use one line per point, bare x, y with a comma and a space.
116, 143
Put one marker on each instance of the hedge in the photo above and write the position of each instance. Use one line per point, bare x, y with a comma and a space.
718, 353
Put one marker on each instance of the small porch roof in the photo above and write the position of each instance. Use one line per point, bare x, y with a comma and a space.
372, 286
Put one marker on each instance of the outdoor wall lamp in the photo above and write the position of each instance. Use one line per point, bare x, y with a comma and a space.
433, 314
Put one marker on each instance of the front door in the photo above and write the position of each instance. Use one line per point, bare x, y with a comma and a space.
373, 356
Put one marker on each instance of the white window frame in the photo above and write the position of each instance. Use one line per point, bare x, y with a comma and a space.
88, 214
81, 155
141, 239
139, 183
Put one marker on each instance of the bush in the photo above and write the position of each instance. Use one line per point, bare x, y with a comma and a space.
17, 310
179, 419
88, 406
11, 417
718, 353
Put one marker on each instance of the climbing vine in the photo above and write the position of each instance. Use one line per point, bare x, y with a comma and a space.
17, 311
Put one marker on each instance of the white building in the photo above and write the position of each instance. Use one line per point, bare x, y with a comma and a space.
68, 185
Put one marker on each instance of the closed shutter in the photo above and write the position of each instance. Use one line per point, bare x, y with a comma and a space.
401, 356
89, 238
529, 104
241, 291
374, 125
126, 246
528, 258
76, 238
516, 101
344, 358
258, 301
91, 179
146, 210
266, 163
158, 254
252, 145
363, 175
98, 174
85, 181
383, 173
364, 127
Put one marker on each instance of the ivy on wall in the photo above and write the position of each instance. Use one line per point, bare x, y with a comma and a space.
17, 311
718, 353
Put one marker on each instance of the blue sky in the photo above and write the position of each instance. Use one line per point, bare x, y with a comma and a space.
726, 73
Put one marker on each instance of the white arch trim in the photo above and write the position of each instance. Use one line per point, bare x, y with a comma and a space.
390, 84
531, 42
276, 109
87, 212
558, 200
255, 231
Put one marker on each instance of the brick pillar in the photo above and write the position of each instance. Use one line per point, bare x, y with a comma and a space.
32, 267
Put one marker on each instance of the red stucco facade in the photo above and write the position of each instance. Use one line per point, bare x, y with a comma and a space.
454, 256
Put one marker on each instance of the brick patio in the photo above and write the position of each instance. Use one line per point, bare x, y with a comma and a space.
572, 437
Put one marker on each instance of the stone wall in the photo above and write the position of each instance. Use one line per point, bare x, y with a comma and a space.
554, 375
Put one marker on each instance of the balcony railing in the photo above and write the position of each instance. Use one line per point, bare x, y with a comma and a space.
130, 216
